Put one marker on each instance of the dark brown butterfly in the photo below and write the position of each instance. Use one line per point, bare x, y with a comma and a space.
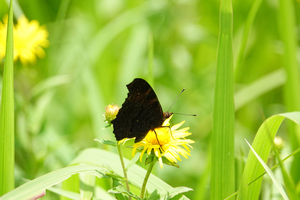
140, 113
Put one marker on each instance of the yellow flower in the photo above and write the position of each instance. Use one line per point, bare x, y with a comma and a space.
29, 40
3, 29
168, 142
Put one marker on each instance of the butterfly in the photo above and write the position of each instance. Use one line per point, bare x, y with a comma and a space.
140, 113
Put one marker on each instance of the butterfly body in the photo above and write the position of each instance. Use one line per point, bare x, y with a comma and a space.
140, 113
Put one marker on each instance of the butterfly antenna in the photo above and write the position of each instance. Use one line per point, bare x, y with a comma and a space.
186, 114
176, 99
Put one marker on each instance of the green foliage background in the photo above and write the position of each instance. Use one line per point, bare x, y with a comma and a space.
97, 47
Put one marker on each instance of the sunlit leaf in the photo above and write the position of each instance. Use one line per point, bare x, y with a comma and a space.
262, 145
7, 132
271, 174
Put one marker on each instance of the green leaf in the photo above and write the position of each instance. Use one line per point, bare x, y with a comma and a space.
154, 195
271, 174
106, 142
133, 160
167, 162
150, 59
250, 18
222, 156
120, 189
36, 187
150, 158
116, 183
49, 84
65, 194
71, 186
7, 152
287, 27
259, 87
135, 173
87, 185
288, 181
99, 194
262, 145
171, 192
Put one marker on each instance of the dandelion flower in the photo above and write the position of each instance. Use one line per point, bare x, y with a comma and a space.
3, 29
29, 40
165, 142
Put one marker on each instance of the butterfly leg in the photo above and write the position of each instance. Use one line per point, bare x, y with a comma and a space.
170, 131
160, 147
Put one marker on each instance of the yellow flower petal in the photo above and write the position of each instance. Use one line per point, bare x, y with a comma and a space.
176, 126
29, 40
166, 141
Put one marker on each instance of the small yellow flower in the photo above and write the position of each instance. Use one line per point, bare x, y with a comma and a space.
168, 142
3, 29
29, 40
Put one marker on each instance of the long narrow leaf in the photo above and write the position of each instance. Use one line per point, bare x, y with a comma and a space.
288, 29
7, 114
259, 87
247, 29
288, 181
271, 174
262, 145
87, 185
222, 174
71, 185
135, 173
37, 186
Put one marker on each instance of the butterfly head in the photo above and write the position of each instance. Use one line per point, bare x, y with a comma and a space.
167, 115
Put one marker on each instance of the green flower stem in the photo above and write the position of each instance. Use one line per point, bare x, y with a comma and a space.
146, 178
124, 169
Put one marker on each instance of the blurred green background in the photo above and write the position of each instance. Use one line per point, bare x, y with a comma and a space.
97, 47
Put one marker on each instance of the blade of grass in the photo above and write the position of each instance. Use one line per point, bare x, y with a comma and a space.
70, 185
130, 62
259, 87
201, 192
292, 86
129, 18
7, 114
275, 166
87, 185
262, 145
222, 160
49, 84
271, 174
150, 59
288, 181
65, 194
245, 36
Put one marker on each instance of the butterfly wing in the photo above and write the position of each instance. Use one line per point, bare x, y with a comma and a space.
140, 112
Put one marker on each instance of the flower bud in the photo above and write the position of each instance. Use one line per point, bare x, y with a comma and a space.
111, 112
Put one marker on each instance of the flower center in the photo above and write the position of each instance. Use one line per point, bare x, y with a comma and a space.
162, 136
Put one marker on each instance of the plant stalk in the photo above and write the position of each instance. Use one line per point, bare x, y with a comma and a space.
146, 179
124, 169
